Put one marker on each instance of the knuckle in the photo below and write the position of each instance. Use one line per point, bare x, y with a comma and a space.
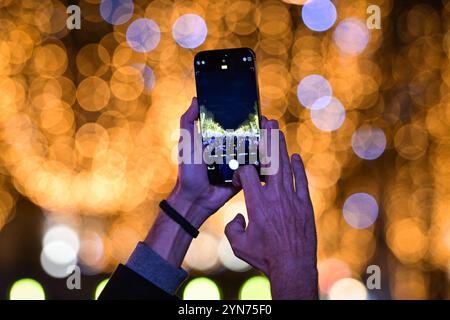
229, 228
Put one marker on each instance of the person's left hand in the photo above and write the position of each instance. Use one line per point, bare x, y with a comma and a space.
193, 195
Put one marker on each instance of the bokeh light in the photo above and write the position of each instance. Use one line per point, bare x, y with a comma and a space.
351, 36
201, 288
228, 259
116, 11
59, 250
319, 15
202, 254
368, 142
93, 94
89, 120
348, 289
98, 290
360, 210
143, 35
91, 253
331, 270
26, 289
411, 141
255, 288
407, 239
233, 208
190, 31
328, 118
148, 76
314, 92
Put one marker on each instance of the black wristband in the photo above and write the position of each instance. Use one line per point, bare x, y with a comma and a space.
178, 218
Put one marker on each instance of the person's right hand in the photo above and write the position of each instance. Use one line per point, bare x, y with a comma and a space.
280, 239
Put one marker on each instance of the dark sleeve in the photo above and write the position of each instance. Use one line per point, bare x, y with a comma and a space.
126, 284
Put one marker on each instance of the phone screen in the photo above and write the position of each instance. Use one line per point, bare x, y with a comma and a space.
227, 93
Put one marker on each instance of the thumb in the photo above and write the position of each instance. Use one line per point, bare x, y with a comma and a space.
235, 232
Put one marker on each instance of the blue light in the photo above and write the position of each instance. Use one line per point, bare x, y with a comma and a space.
116, 11
319, 15
360, 210
368, 142
143, 35
351, 36
148, 77
328, 118
190, 31
311, 89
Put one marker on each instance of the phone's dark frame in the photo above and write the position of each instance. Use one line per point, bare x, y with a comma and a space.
226, 53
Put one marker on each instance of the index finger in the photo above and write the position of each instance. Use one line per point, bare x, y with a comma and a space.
247, 178
187, 120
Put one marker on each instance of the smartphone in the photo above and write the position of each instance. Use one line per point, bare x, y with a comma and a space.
229, 121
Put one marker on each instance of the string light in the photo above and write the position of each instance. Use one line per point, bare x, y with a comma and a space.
87, 125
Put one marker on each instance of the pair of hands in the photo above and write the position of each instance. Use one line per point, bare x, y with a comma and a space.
280, 238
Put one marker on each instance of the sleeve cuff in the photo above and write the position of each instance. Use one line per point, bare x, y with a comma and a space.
151, 266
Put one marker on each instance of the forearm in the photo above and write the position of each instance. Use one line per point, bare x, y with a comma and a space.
169, 241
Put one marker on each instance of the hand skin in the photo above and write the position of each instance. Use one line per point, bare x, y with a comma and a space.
193, 197
280, 238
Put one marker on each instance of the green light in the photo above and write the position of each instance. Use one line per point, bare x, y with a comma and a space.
26, 289
201, 289
100, 288
256, 288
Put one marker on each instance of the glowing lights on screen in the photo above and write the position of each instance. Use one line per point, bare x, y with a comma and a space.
228, 259
148, 76
351, 36
99, 288
360, 210
201, 289
59, 251
26, 289
190, 31
312, 88
143, 35
255, 288
348, 289
368, 142
116, 11
328, 118
319, 15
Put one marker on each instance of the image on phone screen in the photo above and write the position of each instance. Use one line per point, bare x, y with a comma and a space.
228, 98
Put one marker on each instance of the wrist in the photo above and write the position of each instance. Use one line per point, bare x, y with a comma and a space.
188, 208
299, 283
166, 237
